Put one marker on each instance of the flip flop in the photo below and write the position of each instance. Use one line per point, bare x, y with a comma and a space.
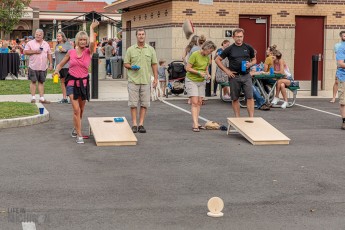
196, 129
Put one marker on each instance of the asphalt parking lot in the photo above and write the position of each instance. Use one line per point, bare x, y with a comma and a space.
166, 180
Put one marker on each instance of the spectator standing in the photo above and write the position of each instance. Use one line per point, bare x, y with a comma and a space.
39, 53
341, 78
237, 53
335, 86
4, 49
139, 80
226, 89
108, 51
119, 47
61, 49
78, 88
162, 75
195, 82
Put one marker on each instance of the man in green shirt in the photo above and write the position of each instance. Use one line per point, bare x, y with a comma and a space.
141, 63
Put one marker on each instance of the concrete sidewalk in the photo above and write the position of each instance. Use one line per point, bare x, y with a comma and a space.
116, 90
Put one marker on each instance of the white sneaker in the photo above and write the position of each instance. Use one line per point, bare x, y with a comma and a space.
284, 105
80, 140
226, 97
275, 100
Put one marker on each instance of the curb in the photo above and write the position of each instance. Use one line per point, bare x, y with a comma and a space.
25, 121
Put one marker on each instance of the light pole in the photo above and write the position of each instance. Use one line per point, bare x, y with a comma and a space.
54, 22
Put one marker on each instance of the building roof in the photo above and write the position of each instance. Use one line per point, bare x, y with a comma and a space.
123, 4
69, 6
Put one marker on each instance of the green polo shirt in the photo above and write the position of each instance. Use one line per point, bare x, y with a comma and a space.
143, 57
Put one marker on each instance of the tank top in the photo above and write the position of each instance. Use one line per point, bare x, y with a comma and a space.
79, 66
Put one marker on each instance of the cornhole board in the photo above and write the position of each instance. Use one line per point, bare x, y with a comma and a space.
258, 131
107, 132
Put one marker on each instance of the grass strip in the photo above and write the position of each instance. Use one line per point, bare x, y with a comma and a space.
17, 109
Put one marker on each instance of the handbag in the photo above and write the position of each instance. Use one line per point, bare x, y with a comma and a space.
294, 83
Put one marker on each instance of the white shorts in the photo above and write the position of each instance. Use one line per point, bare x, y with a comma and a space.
195, 89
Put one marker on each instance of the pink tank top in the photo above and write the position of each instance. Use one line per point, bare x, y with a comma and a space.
79, 66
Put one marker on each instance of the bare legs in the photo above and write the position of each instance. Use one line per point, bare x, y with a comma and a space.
142, 114
63, 88
196, 103
78, 110
281, 87
250, 107
335, 90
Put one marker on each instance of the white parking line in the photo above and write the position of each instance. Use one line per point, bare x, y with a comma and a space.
182, 109
319, 110
29, 226
206, 120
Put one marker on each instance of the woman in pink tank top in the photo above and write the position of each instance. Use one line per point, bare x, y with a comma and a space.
77, 82
281, 67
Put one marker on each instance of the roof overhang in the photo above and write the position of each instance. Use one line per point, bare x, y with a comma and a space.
123, 4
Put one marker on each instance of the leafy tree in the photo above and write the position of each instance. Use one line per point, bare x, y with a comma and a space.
10, 13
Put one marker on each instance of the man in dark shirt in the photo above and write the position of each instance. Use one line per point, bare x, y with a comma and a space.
236, 53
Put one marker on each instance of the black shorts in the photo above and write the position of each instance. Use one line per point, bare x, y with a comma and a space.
241, 82
63, 73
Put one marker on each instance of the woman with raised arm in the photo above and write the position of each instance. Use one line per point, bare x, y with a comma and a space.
77, 82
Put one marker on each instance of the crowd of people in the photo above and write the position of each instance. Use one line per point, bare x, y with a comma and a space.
236, 61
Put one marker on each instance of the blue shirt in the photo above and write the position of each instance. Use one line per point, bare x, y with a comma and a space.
341, 56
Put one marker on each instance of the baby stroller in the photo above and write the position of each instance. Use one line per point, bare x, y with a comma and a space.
177, 75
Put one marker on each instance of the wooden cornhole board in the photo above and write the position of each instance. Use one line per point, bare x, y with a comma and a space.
107, 132
258, 131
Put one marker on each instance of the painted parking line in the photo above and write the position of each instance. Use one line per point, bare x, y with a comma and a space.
29, 226
182, 109
206, 120
319, 110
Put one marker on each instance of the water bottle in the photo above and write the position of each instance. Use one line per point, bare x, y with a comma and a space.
207, 80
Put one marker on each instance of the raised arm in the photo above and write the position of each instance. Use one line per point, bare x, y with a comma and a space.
93, 25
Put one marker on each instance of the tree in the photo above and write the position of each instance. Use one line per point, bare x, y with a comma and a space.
10, 13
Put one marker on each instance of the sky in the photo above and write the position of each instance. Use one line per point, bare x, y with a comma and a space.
107, 1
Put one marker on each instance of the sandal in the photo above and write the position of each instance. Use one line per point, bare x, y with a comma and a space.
201, 127
196, 129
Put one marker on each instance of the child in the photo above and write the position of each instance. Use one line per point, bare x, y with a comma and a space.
161, 75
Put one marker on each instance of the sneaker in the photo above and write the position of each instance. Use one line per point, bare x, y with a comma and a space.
134, 129
264, 107
343, 126
80, 140
226, 97
33, 101
141, 129
215, 95
284, 105
44, 102
74, 133
275, 100
63, 101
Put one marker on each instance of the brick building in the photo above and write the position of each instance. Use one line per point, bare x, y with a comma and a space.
44, 13
299, 28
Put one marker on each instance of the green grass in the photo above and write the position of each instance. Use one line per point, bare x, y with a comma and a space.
17, 109
11, 87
